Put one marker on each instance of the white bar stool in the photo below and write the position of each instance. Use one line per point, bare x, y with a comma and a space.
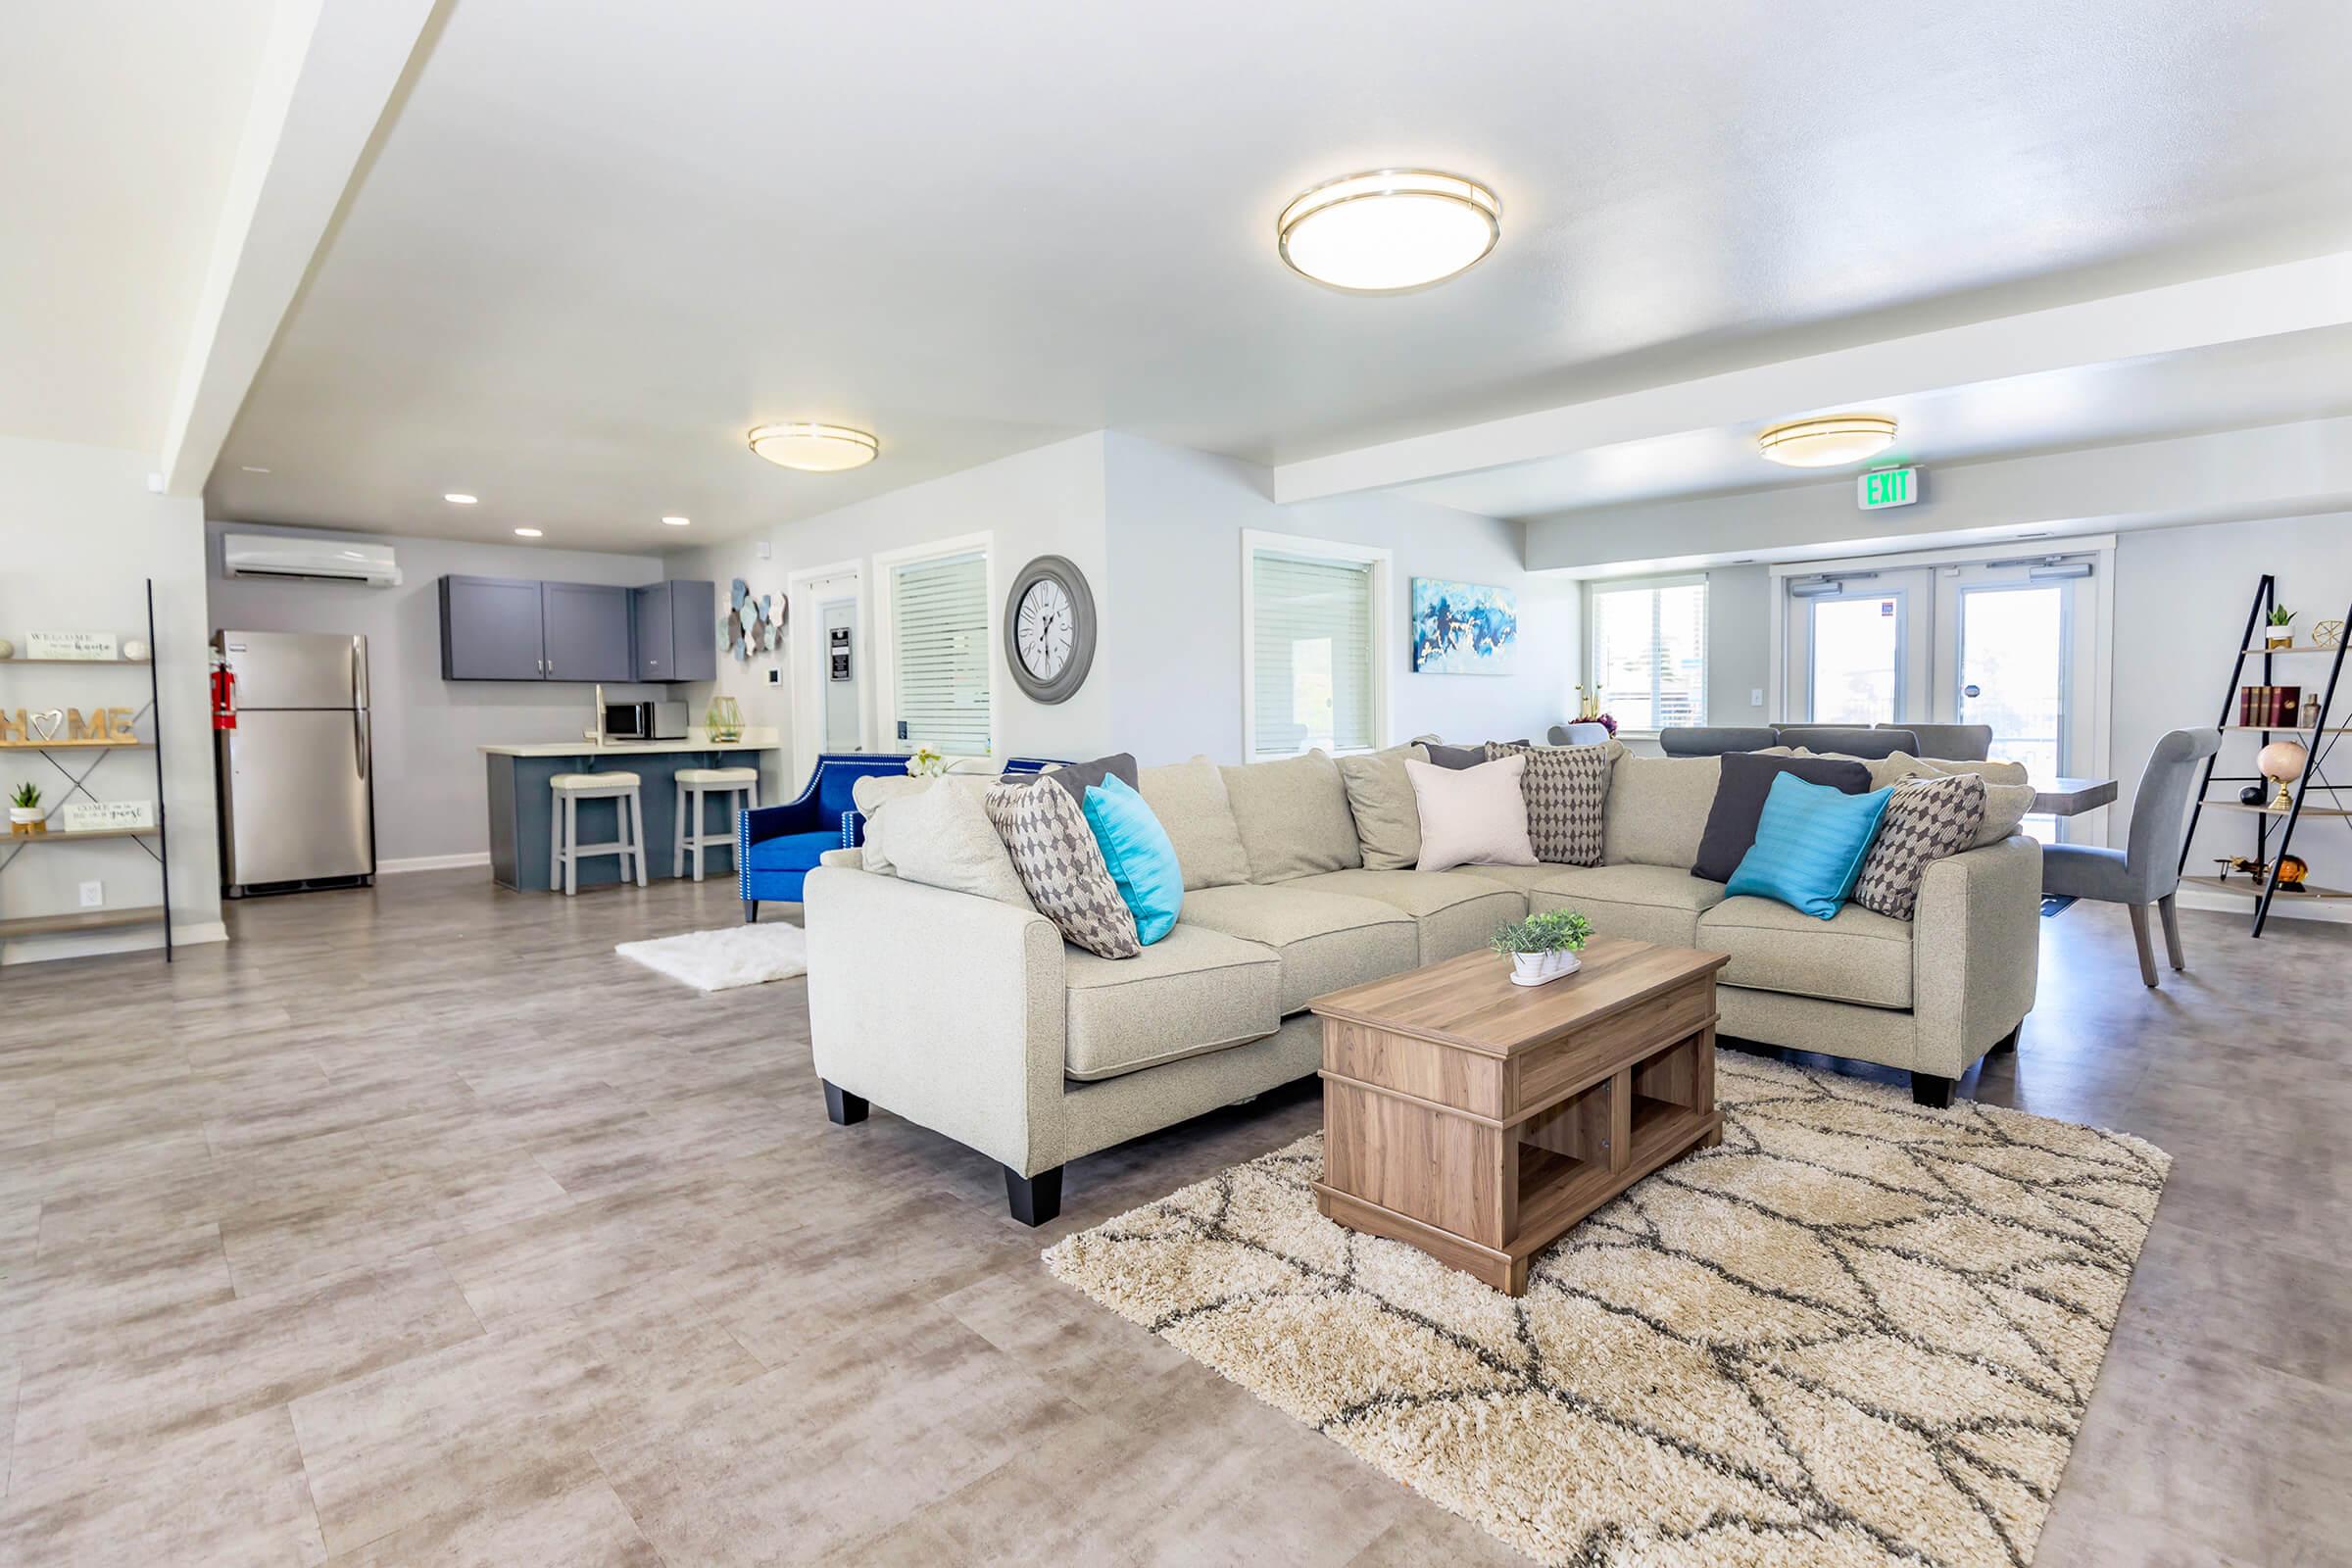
695, 783
564, 845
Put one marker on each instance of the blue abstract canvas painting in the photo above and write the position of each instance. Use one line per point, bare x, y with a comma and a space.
1464, 628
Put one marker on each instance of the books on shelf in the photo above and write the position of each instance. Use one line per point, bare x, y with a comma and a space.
2269, 706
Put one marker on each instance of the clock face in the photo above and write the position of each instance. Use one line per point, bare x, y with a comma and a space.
1045, 629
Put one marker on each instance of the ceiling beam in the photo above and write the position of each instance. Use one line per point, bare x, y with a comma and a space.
330, 70
2264, 302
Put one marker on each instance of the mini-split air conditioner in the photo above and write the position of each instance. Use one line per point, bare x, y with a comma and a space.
269, 555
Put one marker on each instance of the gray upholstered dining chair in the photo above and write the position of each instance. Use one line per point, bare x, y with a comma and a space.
1847, 740
2148, 869
1580, 733
1950, 743
1713, 740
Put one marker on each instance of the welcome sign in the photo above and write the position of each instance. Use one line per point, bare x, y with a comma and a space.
89, 645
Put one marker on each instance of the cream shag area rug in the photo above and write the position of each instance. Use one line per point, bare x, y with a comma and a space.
1857, 1332
729, 956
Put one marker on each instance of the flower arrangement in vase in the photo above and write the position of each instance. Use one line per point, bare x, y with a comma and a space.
1543, 948
925, 762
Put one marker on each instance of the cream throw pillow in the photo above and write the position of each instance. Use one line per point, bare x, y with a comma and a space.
942, 838
1190, 800
1471, 815
1388, 824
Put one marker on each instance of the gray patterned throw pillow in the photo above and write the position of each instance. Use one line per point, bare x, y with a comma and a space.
1567, 792
1927, 819
1055, 853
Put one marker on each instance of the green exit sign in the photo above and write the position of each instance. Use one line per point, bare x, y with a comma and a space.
1887, 487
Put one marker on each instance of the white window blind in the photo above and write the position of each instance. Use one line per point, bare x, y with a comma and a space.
1312, 676
940, 653
1649, 653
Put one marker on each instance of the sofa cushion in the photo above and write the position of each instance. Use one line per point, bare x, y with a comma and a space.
1567, 790
1293, 817
1738, 806
790, 852
1859, 957
2008, 795
1456, 912
1328, 940
1472, 815
1647, 902
1194, 992
1061, 866
1190, 800
941, 837
1657, 809
1388, 824
1927, 819
1136, 849
1810, 845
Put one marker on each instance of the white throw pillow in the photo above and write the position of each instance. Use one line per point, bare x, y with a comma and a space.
941, 837
1471, 815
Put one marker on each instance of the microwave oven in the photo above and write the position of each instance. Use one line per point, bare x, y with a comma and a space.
645, 721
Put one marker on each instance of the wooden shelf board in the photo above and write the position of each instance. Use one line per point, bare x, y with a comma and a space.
2287, 729
4, 662
42, 926
63, 836
2301, 647
73, 746
2248, 888
2264, 810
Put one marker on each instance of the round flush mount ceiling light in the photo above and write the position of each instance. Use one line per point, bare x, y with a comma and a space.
676, 522
526, 533
814, 448
458, 498
1828, 440
1389, 231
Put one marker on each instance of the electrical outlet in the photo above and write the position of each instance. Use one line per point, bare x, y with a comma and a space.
1755, 697
94, 895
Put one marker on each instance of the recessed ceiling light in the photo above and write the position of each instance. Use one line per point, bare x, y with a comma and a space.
814, 448
677, 522
250, 468
1389, 231
1828, 440
458, 498
526, 533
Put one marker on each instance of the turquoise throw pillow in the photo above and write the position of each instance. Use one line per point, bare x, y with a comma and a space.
1810, 845
1141, 860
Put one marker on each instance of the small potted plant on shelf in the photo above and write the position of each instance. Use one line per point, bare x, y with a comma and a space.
1543, 946
24, 810
2279, 636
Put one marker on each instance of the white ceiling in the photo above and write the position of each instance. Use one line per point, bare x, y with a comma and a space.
598, 243
121, 121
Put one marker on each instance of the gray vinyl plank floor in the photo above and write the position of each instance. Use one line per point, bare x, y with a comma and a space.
416, 1227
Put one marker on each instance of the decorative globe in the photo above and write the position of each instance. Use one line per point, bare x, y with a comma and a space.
135, 649
7, 649
2282, 760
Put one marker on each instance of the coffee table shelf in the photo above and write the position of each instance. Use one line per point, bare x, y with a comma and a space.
1480, 1122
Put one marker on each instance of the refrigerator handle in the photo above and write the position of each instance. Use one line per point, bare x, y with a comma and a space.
359, 672
359, 739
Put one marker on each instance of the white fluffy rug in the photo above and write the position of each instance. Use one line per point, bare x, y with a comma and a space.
729, 956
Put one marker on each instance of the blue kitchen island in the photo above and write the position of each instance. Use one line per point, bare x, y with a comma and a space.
522, 806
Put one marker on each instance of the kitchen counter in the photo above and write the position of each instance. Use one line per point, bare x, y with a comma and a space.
522, 803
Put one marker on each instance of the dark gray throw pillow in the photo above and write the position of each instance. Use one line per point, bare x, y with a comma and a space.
1078, 776
1458, 757
1739, 802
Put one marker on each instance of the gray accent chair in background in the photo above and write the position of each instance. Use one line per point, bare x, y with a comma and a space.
1578, 734
1950, 743
1713, 740
1849, 739
2148, 871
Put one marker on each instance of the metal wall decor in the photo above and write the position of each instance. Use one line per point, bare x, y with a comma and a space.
752, 625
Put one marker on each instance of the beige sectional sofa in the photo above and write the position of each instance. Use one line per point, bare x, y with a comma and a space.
974, 1018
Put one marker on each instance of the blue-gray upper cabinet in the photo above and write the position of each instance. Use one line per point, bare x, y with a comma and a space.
587, 631
675, 636
490, 629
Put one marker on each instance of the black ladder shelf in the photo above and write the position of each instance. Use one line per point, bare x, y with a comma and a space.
2317, 739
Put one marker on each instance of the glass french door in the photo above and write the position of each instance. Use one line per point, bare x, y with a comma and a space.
1858, 649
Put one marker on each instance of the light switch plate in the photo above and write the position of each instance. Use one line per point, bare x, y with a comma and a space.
94, 895
1755, 697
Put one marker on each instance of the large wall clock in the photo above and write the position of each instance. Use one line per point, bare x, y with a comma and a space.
1050, 629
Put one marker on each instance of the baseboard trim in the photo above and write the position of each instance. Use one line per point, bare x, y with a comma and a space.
138, 939
2285, 907
432, 862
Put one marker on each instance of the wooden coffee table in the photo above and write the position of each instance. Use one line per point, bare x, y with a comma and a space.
1478, 1120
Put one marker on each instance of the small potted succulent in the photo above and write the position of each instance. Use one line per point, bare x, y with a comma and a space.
1543, 948
2281, 635
24, 810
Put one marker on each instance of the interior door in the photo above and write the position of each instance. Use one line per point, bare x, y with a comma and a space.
2019, 652
1858, 647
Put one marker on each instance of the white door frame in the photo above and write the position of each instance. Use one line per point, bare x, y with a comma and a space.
806, 663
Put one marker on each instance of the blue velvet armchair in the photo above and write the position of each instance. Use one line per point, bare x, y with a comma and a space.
776, 847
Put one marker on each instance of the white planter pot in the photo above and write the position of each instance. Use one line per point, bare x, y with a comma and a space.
24, 818
1542, 969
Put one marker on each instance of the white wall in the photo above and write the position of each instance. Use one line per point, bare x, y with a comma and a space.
432, 789
79, 535
1175, 542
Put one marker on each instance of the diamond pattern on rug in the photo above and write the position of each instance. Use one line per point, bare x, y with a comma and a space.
1860, 1332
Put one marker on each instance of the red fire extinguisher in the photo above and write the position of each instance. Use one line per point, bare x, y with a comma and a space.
224, 697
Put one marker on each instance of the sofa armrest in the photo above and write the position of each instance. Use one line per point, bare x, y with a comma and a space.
848, 859
945, 1009
1976, 952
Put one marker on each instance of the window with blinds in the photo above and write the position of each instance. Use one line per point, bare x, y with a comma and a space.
1649, 652
940, 655
1312, 675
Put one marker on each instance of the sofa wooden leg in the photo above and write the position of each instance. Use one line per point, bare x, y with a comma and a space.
2007, 1042
1034, 1199
751, 911
843, 1108
1927, 1089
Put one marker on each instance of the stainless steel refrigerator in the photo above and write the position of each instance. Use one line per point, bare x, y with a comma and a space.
296, 805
